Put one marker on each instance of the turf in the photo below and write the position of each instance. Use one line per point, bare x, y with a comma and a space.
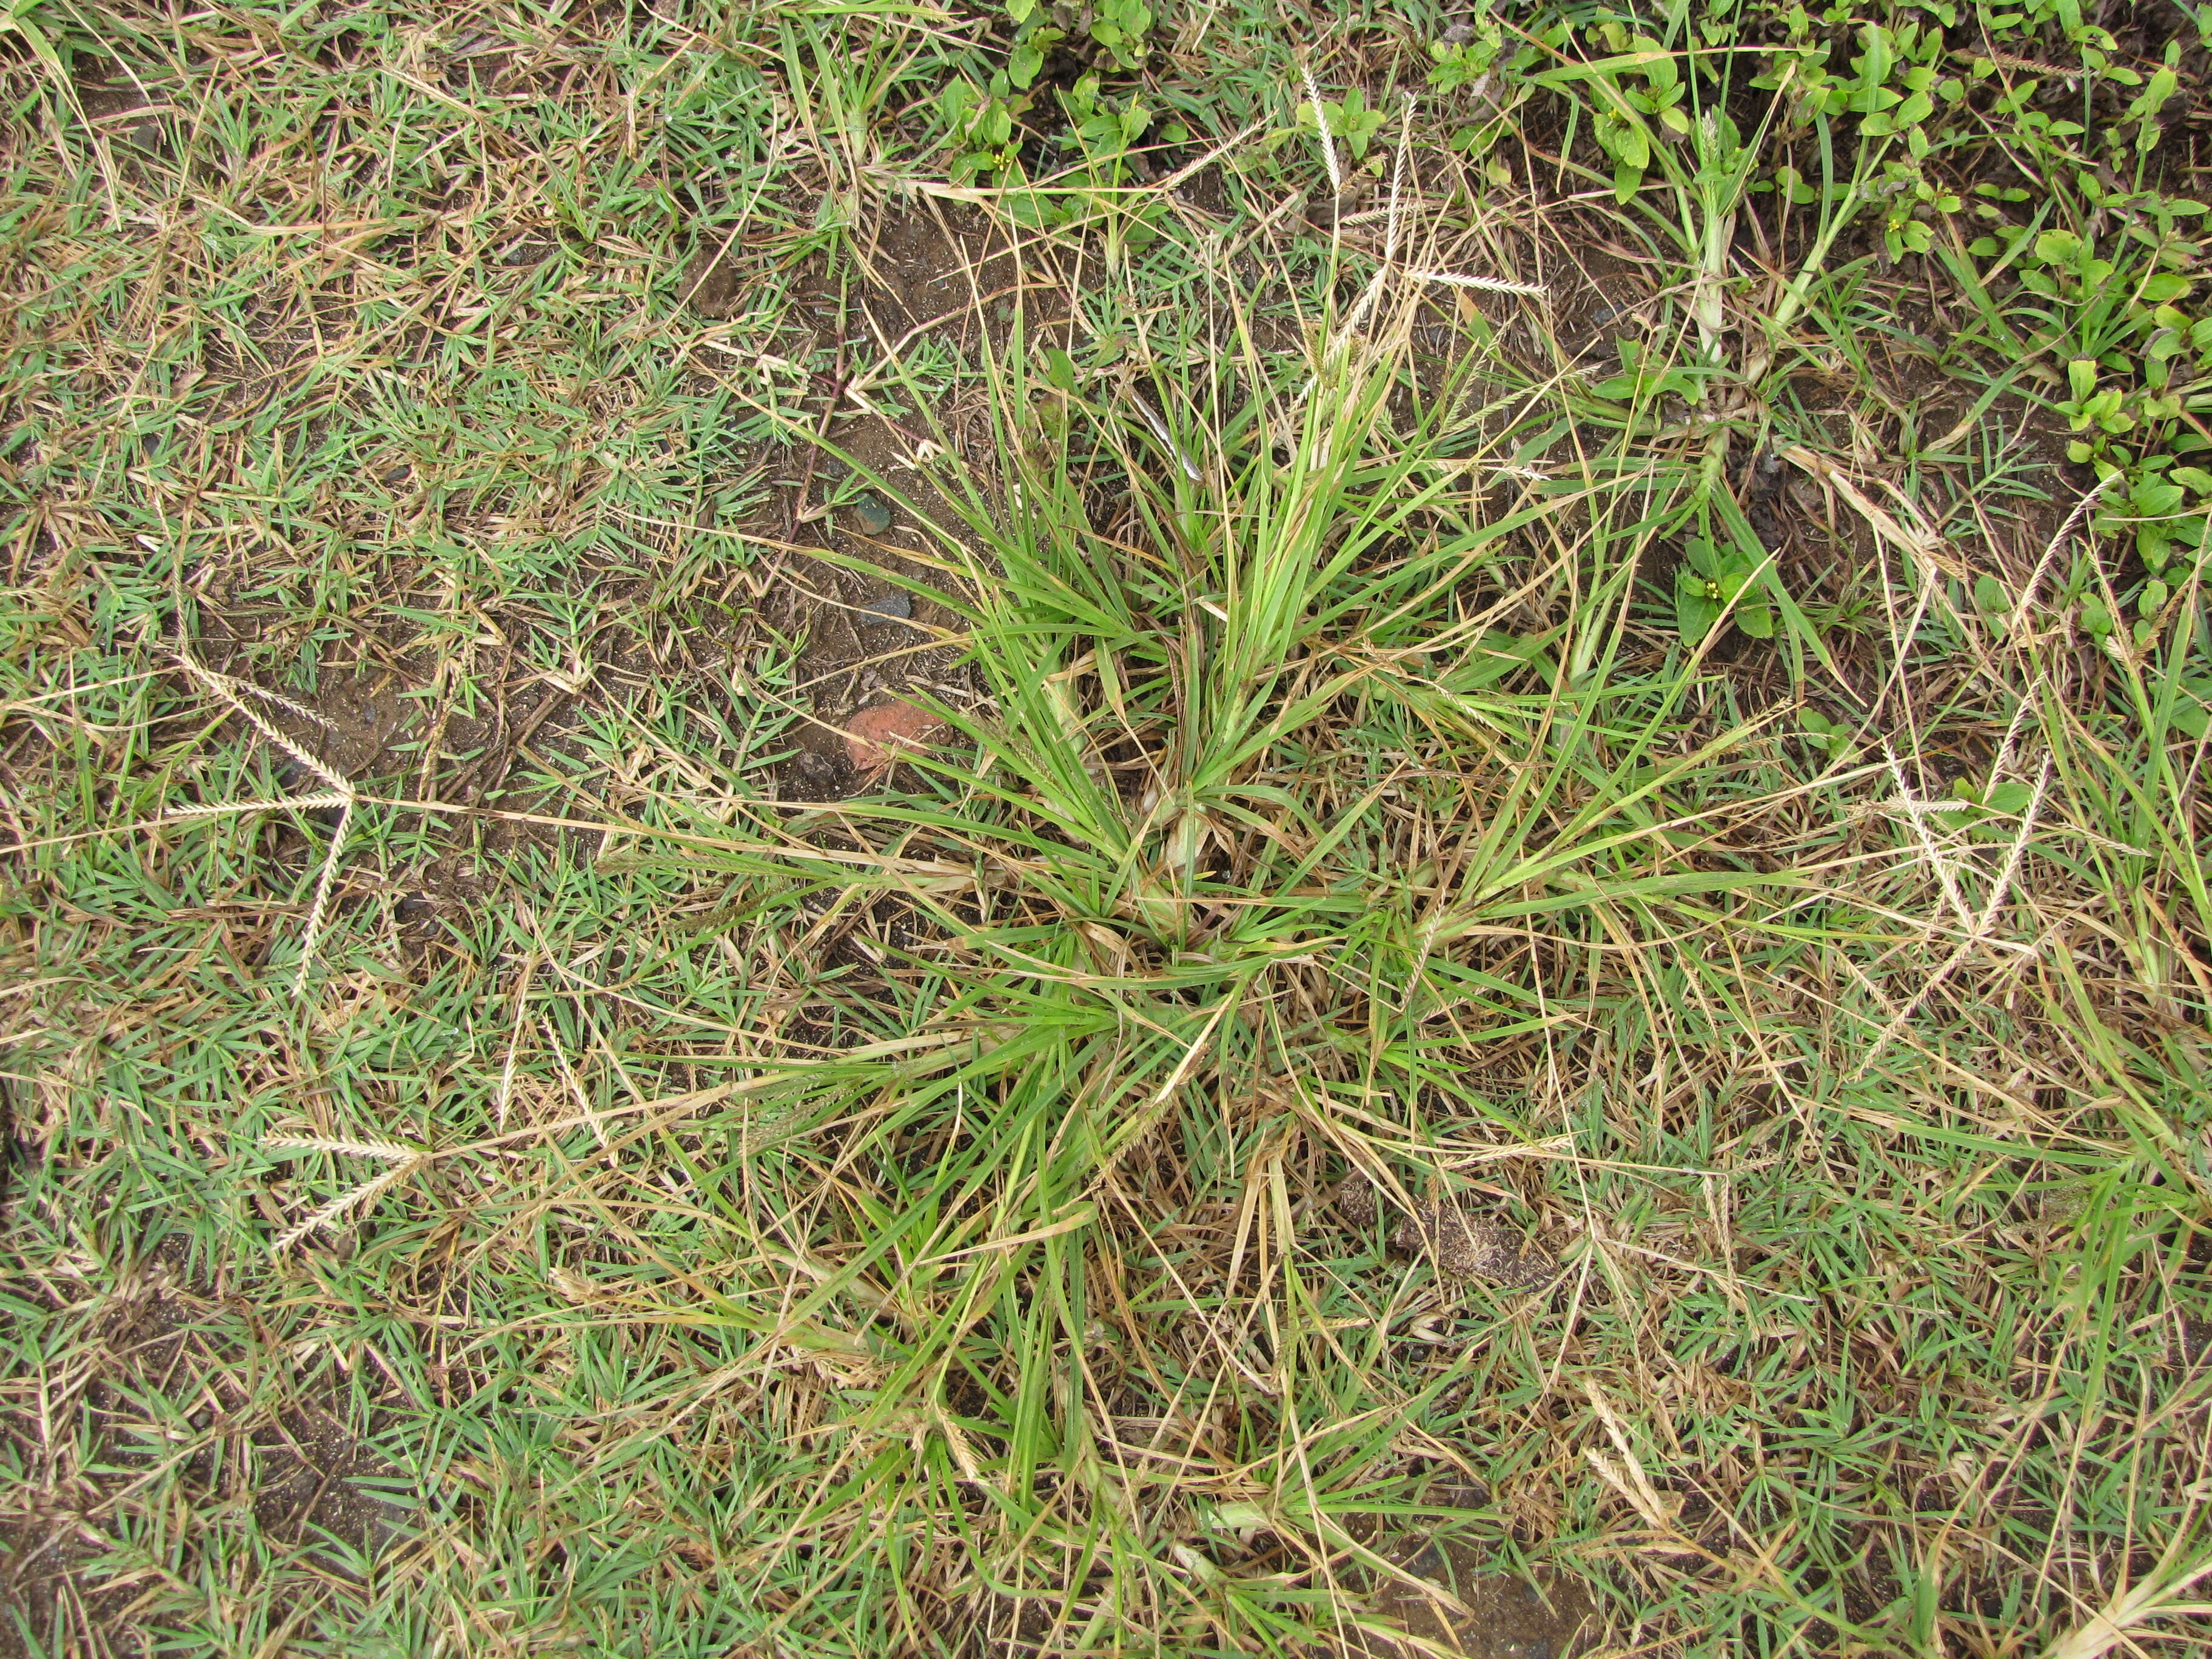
1533, 974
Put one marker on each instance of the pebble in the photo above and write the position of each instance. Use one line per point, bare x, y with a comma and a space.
887, 607
870, 516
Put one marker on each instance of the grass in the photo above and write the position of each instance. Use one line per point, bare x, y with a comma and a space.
1553, 926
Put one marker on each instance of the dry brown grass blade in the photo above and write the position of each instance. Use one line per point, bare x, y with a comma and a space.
2118, 1621
1918, 544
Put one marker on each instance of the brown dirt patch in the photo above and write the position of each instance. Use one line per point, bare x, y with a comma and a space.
858, 526
1506, 1616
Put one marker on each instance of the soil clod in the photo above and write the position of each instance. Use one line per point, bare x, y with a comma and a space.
877, 736
869, 516
1465, 1248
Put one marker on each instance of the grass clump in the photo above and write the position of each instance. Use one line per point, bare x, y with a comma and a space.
1537, 934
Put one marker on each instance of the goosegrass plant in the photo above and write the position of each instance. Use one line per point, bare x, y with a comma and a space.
1176, 915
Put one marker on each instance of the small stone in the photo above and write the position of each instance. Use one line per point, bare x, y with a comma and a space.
870, 516
877, 736
1325, 213
894, 606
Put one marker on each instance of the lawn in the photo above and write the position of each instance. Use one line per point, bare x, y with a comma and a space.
842, 830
